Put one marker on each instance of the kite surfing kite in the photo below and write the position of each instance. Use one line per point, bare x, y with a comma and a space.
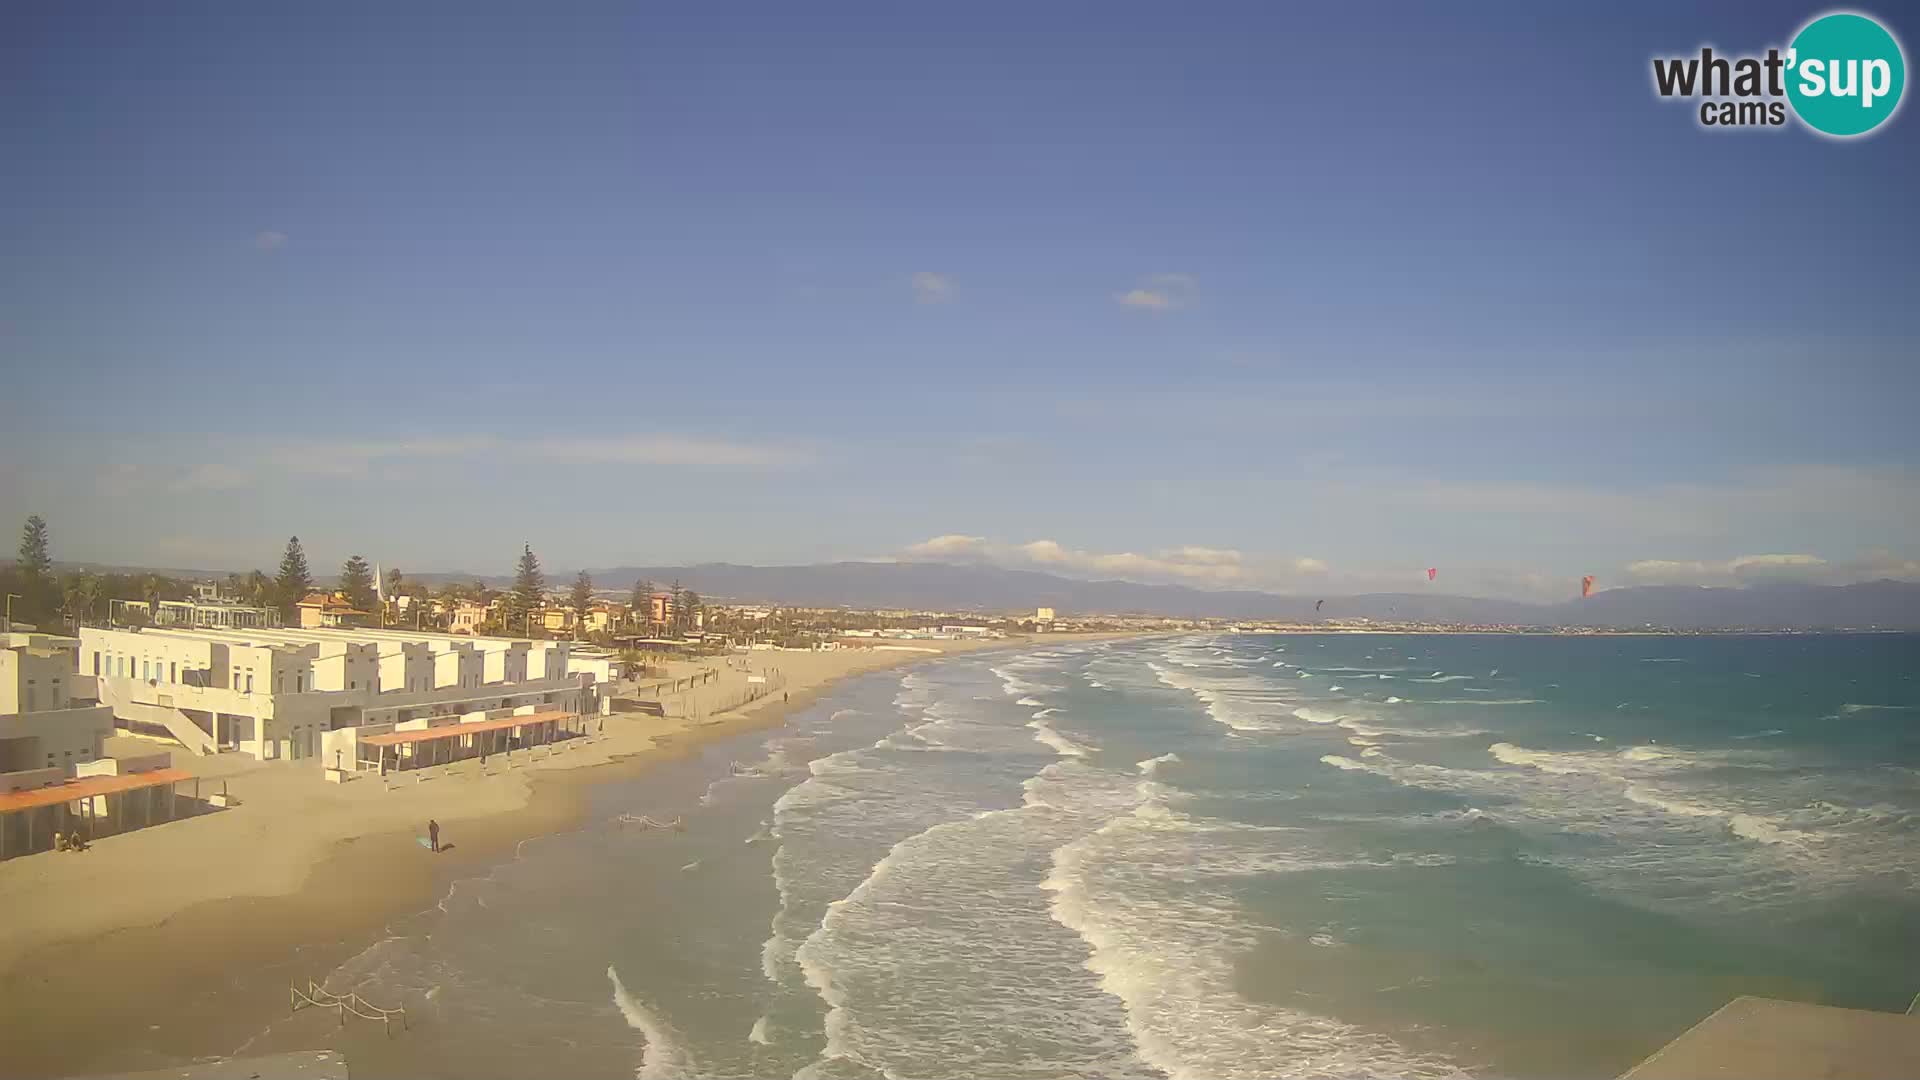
1586, 586
1317, 603
1432, 572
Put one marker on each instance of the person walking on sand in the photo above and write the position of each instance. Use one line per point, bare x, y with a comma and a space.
433, 835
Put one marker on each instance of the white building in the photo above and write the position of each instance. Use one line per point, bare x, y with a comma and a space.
273, 693
49, 722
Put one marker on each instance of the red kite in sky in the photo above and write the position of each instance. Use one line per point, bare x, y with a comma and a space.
1586, 586
1432, 572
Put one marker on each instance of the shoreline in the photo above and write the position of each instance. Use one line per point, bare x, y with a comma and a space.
200, 968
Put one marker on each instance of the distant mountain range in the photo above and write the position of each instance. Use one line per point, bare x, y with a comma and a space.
946, 587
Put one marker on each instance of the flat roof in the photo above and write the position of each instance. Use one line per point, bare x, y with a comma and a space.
87, 788
448, 731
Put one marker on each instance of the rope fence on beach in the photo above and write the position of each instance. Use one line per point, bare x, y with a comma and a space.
316, 996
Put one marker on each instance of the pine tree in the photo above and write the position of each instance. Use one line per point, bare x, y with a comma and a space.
528, 586
692, 619
356, 580
643, 602
677, 607
581, 599
294, 582
35, 570
394, 581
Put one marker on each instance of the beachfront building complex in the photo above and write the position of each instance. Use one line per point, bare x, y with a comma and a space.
49, 722
274, 693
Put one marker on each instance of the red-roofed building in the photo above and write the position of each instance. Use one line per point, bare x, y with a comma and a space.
328, 609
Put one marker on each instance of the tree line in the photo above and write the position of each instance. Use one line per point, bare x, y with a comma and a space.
35, 593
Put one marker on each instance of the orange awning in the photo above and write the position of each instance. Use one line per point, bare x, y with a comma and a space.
87, 788
449, 731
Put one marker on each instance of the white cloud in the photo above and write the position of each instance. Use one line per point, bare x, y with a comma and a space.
269, 240
215, 476
1159, 292
118, 480
1207, 555
1309, 566
356, 457
932, 288
1755, 569
668, 450
952, 545
351, 457
1145, 298
1190, 563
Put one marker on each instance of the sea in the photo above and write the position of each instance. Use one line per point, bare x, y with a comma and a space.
1202, 857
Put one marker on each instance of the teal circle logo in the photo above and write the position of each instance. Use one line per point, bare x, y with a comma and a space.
1845, 74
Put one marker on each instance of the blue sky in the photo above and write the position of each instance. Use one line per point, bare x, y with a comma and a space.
1241, 294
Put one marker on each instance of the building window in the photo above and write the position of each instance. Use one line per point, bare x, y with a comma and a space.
173, 671
96, 665
249, 682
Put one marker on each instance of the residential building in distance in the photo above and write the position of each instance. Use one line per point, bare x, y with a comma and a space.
50, 723
466, 617
321, 609
606, 618
274, 693
557, 620
662, 608
216, 613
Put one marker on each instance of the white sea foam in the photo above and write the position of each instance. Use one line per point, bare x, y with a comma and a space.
1851, 707
1762, 831
759, 1033
1545, 761
1044, 733
1151, 766
663, 1057
1164, 940
1439, 678
1346, 763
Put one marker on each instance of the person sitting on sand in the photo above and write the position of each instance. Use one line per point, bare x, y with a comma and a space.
59, 841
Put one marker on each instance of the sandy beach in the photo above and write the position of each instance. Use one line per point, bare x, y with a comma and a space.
184, 937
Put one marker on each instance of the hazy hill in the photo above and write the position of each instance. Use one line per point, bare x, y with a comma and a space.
940, 586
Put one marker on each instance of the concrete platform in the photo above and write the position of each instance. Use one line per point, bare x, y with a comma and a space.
1753, 1038
298, 1065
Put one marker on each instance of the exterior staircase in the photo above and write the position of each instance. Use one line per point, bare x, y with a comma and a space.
184, 729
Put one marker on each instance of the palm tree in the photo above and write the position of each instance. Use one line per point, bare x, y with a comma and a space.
82, 592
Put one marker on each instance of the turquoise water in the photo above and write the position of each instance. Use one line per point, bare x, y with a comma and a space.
1232, 856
